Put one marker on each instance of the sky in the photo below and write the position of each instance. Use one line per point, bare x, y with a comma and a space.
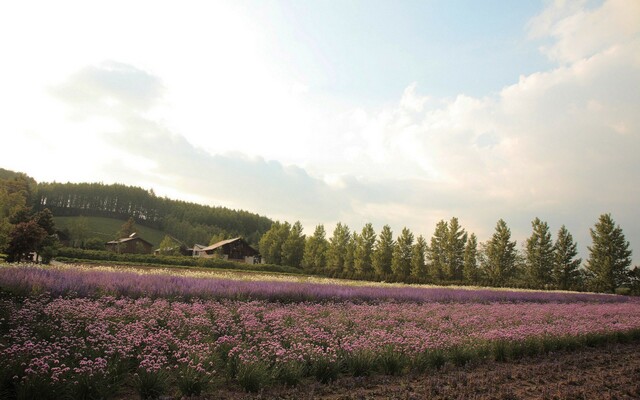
390, 112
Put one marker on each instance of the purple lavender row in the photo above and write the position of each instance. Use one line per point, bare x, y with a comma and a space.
28, 280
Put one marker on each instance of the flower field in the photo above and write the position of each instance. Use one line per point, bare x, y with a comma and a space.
94, 334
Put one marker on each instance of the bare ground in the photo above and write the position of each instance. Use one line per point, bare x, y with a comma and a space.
608, 372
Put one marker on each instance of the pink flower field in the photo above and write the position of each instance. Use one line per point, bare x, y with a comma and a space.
98, 346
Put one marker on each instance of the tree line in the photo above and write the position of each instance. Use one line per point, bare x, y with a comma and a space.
190, 222
454, 256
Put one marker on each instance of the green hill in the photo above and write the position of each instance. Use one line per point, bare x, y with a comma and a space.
107, 228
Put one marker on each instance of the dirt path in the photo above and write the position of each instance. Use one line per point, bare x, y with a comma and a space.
610, 372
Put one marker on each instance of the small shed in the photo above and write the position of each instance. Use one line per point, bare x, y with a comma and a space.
133, 244
236, 249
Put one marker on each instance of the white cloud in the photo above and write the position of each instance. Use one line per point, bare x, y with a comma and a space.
206, 118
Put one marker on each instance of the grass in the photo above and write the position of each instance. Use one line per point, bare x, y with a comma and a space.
107, 228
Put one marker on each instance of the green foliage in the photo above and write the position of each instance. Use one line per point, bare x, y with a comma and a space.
26, 237
150, 384
402, 254
365, 242
383, 252
325, 369
499, 263
539, 256
191, 223
289, 373
360, 363
456, 239
565, 266
272, 241
609, 256
338, 246
471, 274
418, 259
127, 228
252, 377
103, 229
350, 256
293, 246
436, 255
314, 258
74, 254
391, 362
169, 246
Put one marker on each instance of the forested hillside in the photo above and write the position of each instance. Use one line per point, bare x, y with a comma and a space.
189, 222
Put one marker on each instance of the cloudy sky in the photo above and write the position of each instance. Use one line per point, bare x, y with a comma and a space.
391, 112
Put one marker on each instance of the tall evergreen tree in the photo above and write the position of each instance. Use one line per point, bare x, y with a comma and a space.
565, 266
470, 269
499, 261
338, 247
609, 256
401, 257
364, 251
315, 251
456, 239
539, 255
350, 255
418, 259
293, 246
383, 252
436, 254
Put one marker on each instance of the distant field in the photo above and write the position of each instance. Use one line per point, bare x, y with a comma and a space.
107, 228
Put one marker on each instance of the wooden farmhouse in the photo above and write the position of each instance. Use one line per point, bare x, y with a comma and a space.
232, 249
133, 244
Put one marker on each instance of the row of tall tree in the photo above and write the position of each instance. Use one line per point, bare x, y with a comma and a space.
452, 255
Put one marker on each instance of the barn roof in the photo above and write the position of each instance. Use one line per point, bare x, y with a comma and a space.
128, 239
221, 243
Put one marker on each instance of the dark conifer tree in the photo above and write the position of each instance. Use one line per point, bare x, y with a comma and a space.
566, 268
539, 256
609, 256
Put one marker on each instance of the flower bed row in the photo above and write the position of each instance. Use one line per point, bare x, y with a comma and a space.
95, 347
84, 282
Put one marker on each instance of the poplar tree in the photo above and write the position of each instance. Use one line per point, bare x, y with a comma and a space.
383, 252
470, 269
350, 256
609, 256
436, 254
565, 266
314, 258
270, 244
418, 259
454, 250
364, 251
293, 246
338, 247
499, 261
401, 257
539, 255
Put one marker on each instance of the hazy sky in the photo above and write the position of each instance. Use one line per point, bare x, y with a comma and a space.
391, 112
